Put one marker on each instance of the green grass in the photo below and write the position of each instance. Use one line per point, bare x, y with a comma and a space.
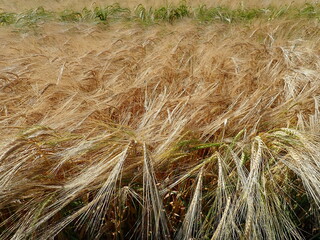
168, 13
7, 18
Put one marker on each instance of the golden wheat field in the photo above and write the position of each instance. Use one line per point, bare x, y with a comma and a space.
166, 127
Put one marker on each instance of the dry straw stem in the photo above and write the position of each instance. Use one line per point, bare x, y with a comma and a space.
124, 132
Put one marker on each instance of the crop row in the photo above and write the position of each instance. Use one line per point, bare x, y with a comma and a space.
169, 13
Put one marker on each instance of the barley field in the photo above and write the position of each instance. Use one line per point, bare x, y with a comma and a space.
159, 120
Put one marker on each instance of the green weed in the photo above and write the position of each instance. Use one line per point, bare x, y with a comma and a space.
168, 13
7, 18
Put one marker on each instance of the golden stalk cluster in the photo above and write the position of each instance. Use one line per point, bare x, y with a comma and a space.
180, 130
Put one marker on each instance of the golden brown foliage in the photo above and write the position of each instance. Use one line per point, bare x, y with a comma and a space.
104, 127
